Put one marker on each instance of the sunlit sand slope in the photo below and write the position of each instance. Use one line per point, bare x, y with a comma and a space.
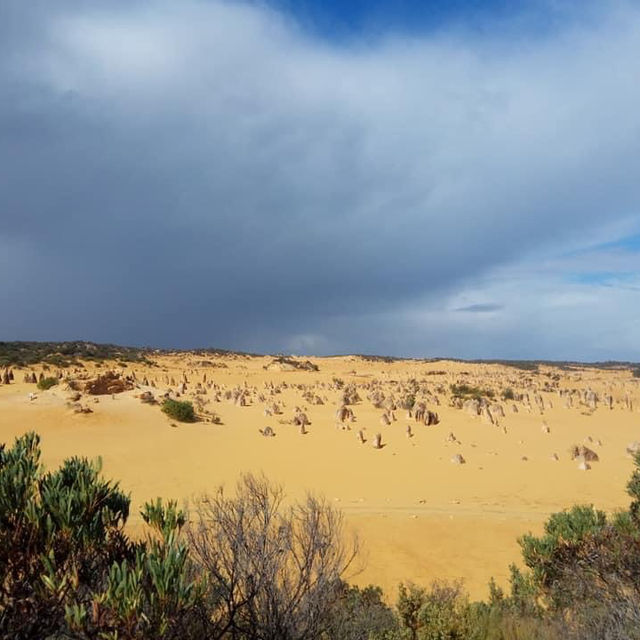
419, 515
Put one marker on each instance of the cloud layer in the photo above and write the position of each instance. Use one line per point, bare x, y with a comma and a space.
207, 173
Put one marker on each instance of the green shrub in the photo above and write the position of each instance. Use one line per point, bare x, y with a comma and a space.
570, 526
47, 383
439, 613
583, 574
408, 401
181, 411
361, 614
466, 391
633, 489
68, 569
508, 394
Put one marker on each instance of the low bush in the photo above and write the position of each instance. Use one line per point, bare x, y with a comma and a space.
362, 614
68, 568
408, 401
275, 568
182, 411
508, 394
466, 391
47, 383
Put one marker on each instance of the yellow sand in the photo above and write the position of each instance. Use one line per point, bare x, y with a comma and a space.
419, 516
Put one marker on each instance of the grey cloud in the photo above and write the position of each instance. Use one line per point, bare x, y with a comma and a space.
205, 174
480, 308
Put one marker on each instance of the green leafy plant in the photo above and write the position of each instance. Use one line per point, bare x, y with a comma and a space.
47, 383
182, 411
508, 394
466, 391
361, 614
69, 570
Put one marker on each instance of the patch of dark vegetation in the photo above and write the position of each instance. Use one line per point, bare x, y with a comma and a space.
67, 354
374, 358
179, 410
466, 391
47, 383
240, 567
210, 351
361, 614
407, 401
523, 366
209, 364
563, 365
508, 394
291, 364
386, 359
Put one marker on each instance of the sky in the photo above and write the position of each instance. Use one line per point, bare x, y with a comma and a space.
406, 178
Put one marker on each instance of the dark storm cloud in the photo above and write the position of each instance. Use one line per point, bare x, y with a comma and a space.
205, 174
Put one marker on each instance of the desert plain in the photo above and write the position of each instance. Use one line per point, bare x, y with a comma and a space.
505, 446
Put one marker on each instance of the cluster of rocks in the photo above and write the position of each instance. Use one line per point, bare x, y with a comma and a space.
424, 415
77, 407
108, 384
584, 455
146, 397
420, 398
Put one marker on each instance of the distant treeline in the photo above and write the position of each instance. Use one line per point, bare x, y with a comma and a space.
564, 365
64, 354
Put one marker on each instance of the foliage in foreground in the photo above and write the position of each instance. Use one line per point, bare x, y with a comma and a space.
275, 568
251, 566
248, 567
66, 565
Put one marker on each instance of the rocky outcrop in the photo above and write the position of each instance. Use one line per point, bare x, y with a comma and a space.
108, 383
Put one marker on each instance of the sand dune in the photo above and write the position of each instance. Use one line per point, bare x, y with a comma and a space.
419, 516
